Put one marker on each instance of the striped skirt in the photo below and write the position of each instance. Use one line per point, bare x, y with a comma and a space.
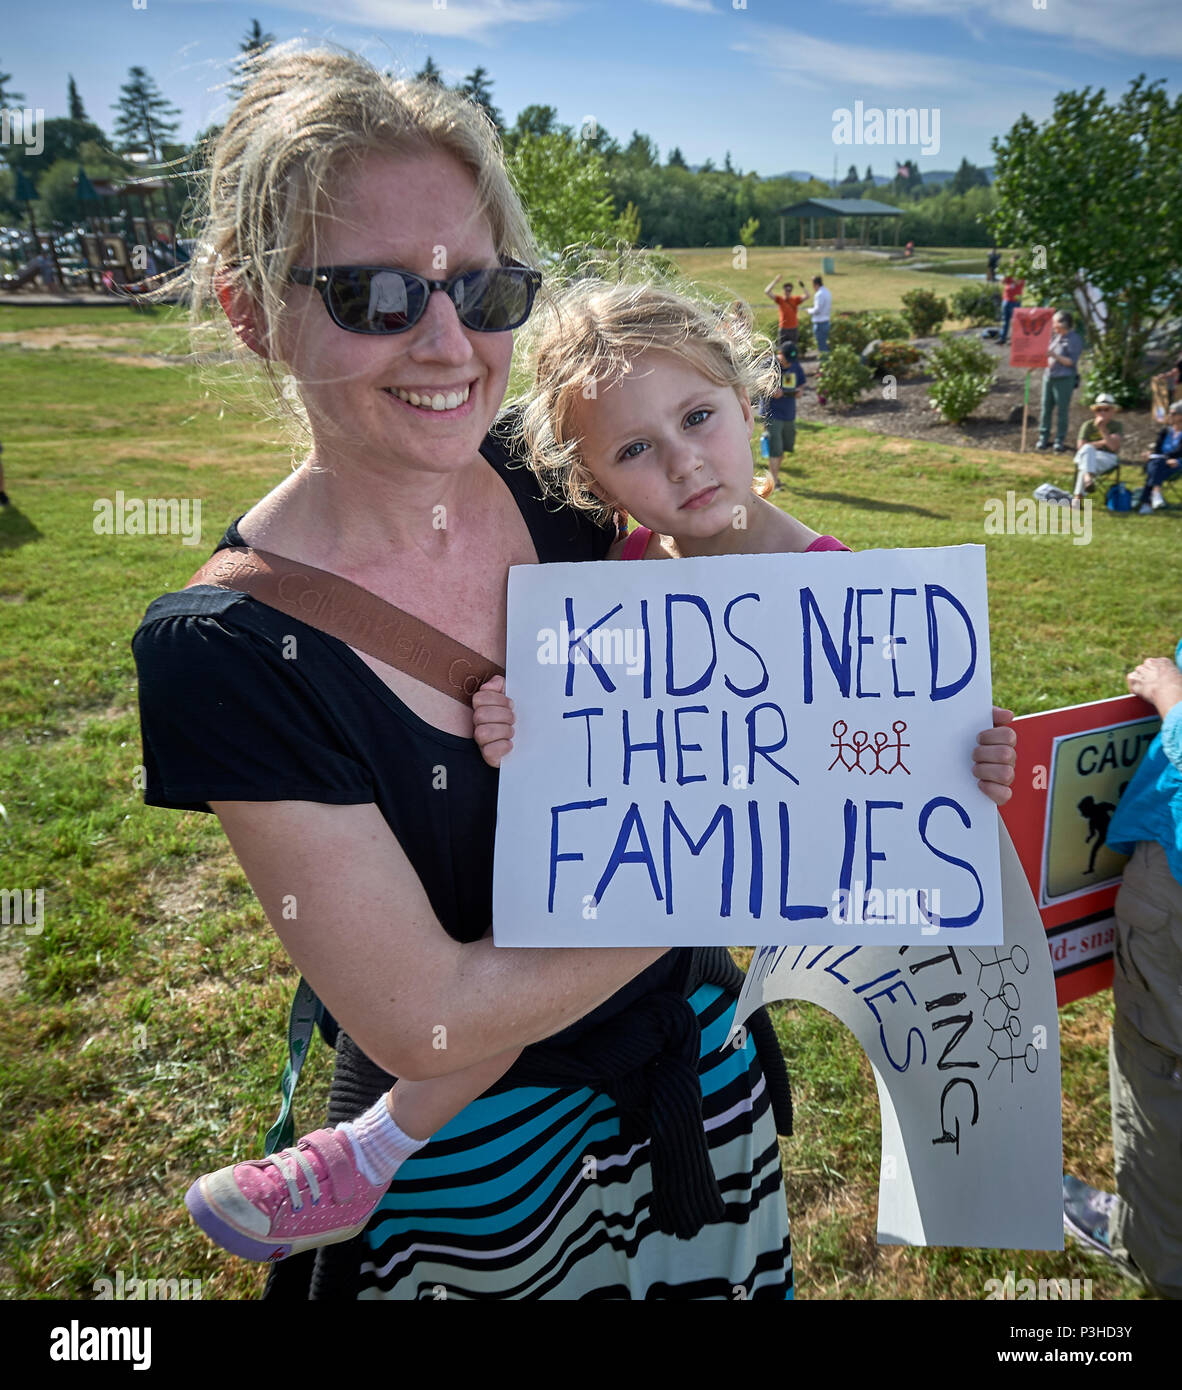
532, 1194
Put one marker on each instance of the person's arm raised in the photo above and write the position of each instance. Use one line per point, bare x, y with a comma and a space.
355, 918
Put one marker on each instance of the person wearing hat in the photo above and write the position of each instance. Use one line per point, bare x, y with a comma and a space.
1098, 445
1164, 460
788, 305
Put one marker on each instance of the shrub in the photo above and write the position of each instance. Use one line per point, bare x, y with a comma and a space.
960, 355
844, 377
806, 339
895, 359
851, 330
1106, 373
883, 324
977, 303
964, 373
924, 311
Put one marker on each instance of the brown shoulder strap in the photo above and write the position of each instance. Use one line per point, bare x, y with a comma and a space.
353, 615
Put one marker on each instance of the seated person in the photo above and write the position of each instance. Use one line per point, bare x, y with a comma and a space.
1164, 460
1099, 444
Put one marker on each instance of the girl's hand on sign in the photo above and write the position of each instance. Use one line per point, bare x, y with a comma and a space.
1159, 681
995, 757
492, 720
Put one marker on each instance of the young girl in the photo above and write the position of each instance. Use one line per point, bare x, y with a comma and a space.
641, 403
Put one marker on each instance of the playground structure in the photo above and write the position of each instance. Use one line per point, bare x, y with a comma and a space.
119, 251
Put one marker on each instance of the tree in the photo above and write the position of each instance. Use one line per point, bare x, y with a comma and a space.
640, 153
564, 188
851, 175
60, 139
908, 179
252, 48
675, 159
478, 88
869, 175
429, 73
727, 166
144, 115
627, 228
532, 121
77, 110
1092, 197
8, 98
968, 176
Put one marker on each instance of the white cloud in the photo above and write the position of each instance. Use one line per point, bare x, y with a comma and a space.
697, 6
1146, 28
458, 19
823, 64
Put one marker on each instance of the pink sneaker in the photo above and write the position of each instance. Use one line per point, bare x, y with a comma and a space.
313, 1194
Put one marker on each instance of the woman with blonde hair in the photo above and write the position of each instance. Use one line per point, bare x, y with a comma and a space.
623, 1156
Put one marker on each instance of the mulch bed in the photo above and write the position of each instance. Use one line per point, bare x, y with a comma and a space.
995, 424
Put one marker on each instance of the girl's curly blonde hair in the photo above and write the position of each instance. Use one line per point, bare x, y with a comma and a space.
586, 334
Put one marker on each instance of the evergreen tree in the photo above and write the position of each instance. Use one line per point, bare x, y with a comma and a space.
478, 88
675, 159
8, 98
851, 174
641, 153
144, 116
869, 175
968, 176
727, 166
252, 48
77, 110
429, 73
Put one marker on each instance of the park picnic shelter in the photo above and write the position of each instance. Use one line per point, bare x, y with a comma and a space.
866, 215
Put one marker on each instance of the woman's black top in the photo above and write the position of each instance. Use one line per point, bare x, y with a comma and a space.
231, 711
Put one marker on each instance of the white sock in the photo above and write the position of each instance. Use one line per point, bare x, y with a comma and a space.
379, 1144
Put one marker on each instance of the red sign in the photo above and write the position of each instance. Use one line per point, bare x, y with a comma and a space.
1073, 766
1030, 336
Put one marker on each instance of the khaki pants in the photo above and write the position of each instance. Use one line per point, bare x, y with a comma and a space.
1145, 1072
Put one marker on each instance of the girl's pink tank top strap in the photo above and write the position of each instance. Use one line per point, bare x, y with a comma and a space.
826, 543
636, 544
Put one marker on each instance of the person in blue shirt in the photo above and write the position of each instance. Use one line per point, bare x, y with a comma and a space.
1141, 1225
779, 412
1164, 460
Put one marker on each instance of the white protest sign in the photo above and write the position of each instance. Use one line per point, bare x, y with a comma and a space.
964, 1043
741, 750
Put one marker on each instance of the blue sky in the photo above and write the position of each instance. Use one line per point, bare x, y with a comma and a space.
762, 80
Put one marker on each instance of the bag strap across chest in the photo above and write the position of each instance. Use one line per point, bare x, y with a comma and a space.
354, 616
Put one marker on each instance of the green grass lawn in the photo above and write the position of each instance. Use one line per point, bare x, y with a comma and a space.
142, 1030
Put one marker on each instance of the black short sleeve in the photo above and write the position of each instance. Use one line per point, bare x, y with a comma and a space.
226, 716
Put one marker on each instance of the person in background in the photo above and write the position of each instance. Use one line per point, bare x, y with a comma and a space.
991, 265
1011, 299
1141, 1225
820, 311
1059, 380
1099, 444
1164, 460
788, 305
779, 412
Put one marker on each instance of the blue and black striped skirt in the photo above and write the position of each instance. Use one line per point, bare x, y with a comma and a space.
532, 1194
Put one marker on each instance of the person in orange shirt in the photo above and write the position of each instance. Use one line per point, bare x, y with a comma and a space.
789, 306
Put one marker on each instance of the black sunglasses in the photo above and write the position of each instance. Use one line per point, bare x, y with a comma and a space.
378, 299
